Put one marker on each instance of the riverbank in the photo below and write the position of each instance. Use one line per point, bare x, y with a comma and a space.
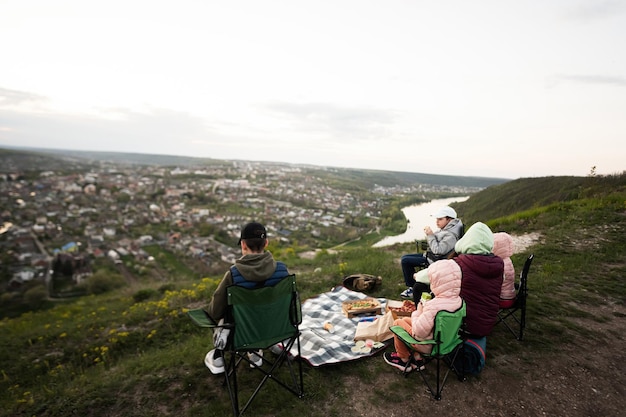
418, 216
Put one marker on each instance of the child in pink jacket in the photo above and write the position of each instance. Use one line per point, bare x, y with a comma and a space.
445, 284
504, 247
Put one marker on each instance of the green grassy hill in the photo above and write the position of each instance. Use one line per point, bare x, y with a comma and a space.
134, 352
531, 193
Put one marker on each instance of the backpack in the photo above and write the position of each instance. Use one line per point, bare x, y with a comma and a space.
362, 282
473, 356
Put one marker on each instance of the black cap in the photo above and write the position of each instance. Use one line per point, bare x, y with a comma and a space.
253, 230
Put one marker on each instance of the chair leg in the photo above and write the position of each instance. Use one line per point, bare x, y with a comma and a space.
296, 387
449, 360
438, 393
522, 323
460, 373
230, 376
423, 375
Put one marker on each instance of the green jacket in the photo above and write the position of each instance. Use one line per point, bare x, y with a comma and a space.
255, 267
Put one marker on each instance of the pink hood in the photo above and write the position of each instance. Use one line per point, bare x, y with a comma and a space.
445, 279
503, 245
445, 283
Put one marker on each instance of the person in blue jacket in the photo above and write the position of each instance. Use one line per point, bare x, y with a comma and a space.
255, 268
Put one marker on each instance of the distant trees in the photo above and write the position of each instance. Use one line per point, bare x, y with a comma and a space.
393, 219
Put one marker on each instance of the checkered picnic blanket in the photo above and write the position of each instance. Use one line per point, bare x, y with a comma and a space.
319, 347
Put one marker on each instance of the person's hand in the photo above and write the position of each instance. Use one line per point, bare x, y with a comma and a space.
428, 230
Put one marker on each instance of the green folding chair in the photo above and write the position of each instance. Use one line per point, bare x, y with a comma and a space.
447, 345
260, 318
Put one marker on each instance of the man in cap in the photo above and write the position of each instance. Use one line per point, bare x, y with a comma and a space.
254, 269
440, 246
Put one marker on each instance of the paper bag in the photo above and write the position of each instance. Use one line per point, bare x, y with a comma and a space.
377, 330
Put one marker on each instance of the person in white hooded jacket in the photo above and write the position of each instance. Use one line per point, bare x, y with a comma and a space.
445, 284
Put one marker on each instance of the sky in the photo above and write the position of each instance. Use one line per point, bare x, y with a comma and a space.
500, 88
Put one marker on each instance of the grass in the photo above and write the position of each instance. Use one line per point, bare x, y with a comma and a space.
127, 353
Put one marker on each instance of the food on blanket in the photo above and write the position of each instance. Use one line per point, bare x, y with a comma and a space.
406, 308
365, 347
363, 304
329, 327
369, 306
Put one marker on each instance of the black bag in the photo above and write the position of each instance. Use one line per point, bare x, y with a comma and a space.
474, 356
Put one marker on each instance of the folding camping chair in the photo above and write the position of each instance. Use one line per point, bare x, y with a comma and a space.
517, 312
447, 345
258, 319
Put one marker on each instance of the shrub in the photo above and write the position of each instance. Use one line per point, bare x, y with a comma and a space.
143, 295
166, 287
103, 281
36, 297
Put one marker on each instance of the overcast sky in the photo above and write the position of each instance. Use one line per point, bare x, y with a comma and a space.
496, 88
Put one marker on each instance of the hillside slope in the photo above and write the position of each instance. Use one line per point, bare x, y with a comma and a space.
135, 353
527, 193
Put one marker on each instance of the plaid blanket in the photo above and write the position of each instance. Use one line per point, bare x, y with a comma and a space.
319, 347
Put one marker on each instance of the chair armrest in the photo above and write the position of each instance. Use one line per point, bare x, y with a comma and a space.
407, 338
201, 318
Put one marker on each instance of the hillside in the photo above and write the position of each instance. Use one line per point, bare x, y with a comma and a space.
529, 193
133, 351
31, 158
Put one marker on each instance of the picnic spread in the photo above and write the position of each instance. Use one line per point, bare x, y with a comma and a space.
327, 331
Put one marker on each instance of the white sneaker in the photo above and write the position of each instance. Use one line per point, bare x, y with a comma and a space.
215, 365
408, 293
277, 349
256, 358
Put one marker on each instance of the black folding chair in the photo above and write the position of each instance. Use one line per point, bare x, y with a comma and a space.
514, 317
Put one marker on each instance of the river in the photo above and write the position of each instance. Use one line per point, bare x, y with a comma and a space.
418, 216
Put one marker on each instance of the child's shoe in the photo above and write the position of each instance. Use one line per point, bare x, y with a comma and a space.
394, 360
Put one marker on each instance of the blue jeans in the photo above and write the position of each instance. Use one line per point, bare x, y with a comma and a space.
409, 262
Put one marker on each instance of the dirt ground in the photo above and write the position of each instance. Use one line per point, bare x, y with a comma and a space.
583, 378
570, 382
